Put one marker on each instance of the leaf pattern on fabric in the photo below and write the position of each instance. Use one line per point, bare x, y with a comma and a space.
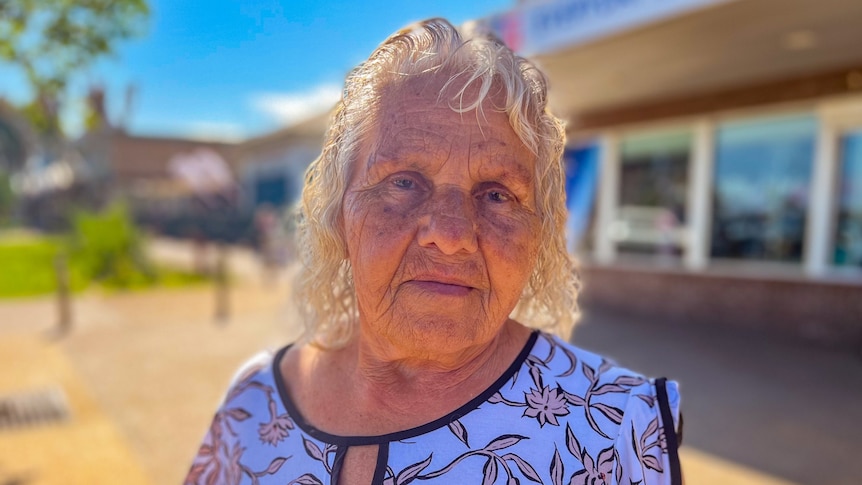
546, 405
489, 472
459, 431
307, 479
650, 400
219, 462
408, 474
494, 463
572, 443
610, 412
312, 449
620, 385
595, 472
556, 468
572, 418
650, 461
571, 358
525, 468
504, 441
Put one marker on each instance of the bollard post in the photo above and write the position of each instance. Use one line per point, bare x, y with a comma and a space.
222, 289
64, 303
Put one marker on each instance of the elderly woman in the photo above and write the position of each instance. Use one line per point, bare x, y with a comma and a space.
434, 268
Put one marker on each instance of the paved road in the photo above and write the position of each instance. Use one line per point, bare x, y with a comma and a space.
784, 409
143, 371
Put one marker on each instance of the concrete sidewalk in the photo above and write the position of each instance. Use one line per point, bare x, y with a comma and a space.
772, 411
143, 372
89, 448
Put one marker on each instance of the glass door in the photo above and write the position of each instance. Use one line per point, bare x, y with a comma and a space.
762, 175
847, 248
653, 190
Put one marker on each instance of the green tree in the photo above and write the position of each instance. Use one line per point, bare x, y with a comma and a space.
52, 40
110, 247
6, 199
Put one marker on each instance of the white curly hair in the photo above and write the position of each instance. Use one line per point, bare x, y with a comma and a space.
324, 289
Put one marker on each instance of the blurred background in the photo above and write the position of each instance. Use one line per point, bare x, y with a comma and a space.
151, 150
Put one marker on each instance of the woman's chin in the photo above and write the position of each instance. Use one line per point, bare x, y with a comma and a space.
441, 336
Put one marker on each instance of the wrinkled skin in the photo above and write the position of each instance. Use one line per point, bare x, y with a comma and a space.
441, 226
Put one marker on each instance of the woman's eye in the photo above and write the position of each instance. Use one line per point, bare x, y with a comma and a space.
403, 183
498, 196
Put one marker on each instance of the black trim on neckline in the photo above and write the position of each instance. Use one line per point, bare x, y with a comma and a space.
474, 403
382, 461
337, 463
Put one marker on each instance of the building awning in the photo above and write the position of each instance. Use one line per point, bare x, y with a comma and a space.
646, 51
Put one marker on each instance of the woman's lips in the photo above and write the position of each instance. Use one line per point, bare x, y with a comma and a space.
448, 289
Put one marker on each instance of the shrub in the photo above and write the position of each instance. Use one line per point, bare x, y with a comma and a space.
110, 248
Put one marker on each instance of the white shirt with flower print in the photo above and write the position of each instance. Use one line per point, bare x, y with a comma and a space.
559, 415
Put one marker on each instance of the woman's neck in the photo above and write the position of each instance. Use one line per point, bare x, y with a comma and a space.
387, 395
379, 375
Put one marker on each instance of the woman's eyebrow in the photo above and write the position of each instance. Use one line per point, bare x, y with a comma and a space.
391, 162
410, 153
510, 171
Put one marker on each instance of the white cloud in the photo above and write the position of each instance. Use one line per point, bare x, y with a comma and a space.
289, 108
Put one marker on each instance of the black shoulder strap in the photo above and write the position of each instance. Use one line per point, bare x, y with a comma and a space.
669, 431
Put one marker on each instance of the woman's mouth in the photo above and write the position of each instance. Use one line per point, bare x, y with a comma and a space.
441, 288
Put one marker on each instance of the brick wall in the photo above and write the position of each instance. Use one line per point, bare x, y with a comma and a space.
826, 312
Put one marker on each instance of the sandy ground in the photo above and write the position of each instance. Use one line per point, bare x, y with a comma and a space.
143, 371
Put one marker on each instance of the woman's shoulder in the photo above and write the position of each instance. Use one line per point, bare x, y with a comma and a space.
251, 430
595, 366
573, 363
588, 380
575, 416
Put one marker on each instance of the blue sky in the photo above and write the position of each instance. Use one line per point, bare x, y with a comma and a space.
232, 69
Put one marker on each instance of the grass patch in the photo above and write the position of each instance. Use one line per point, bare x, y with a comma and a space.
172, 278
163, 277
27, 269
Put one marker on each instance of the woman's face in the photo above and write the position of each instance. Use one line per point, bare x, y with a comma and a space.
441, 224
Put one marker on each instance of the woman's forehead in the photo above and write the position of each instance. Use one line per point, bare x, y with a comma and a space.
416, 128
446, 89
424, 109
423, 131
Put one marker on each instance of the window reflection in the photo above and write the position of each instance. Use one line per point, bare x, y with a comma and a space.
848, 233
582, 173
653, 178
762, 172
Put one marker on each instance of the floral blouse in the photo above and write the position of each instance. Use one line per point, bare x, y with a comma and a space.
558, 415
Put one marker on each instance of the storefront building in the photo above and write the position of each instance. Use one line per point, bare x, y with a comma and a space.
715, 156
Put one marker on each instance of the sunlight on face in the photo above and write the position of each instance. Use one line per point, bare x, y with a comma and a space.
440, 223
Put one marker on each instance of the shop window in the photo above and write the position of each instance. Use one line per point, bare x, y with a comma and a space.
848, 230
653, 184
762, 175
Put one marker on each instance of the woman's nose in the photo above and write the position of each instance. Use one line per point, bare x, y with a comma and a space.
450, 223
